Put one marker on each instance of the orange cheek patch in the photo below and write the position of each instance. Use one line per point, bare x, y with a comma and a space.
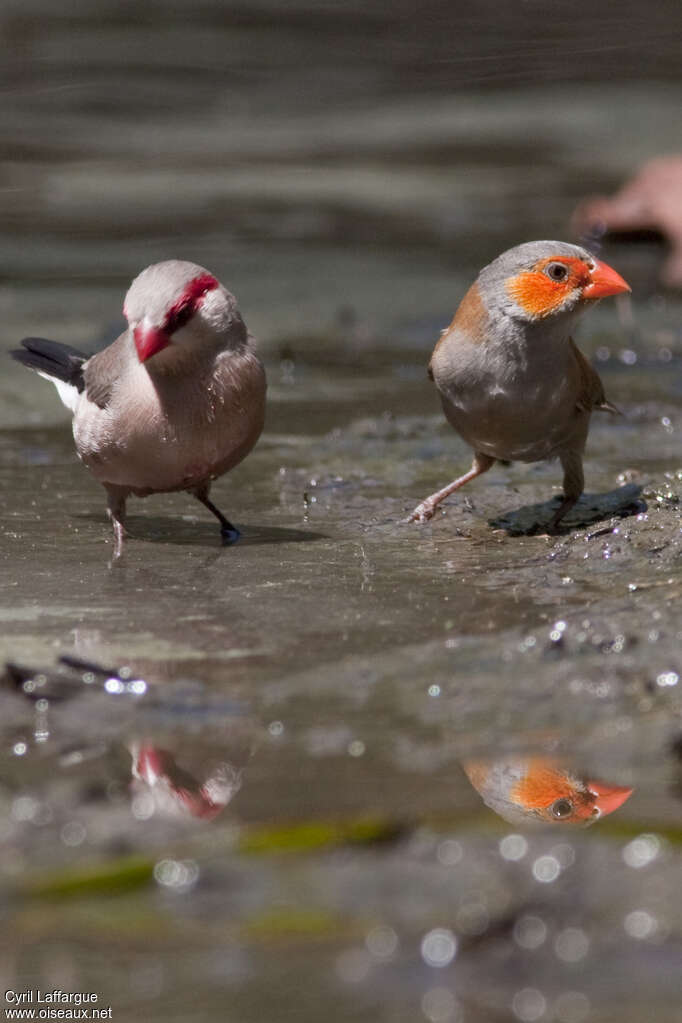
542, 785
538, 295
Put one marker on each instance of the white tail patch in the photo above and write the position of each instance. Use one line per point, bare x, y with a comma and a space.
67, 392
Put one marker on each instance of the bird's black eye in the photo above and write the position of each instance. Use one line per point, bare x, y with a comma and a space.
562, 808
556, 271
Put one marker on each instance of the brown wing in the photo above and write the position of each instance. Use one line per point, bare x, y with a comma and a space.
101, 372
591, 388
470, 321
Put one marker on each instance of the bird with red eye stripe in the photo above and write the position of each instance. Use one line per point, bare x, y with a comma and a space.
175, 402
511, 380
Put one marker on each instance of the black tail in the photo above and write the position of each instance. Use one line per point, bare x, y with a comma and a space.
50, 357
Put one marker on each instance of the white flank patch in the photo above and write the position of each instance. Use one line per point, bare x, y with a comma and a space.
67, 392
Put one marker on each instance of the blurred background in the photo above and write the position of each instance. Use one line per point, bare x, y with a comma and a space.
284, 819
324, 159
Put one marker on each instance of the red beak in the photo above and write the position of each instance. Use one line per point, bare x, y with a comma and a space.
604, 281
609, 797
149, 341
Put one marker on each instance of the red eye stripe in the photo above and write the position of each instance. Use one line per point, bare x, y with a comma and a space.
185, 307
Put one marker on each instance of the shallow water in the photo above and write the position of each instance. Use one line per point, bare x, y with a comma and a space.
278, 821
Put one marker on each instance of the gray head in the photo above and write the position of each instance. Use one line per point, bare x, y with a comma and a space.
182, 303
546, 279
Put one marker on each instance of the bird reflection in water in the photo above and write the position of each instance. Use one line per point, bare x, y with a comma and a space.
174, 791
188, 746
542, 789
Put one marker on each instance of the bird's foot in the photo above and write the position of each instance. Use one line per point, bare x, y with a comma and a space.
423, 512
230, 534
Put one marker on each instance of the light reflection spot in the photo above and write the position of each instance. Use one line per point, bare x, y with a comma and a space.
565, 854
640, 924
356, 748
382, 942
529, 1004
546, 869
513, 847
571, 945
641, 851
73, 833
439, 947
19, 749
142, 806
176, 874
114, 686
571, 1007
24, 808
473, 917
667, 678
434, 690
530, 932
275, 728
449, 852
440, 1005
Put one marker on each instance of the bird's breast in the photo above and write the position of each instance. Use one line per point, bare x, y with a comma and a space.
174, 434
505, 403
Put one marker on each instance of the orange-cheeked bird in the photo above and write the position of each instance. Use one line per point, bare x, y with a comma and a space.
542, 789
511, 380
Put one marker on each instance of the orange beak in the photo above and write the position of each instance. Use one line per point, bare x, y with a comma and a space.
609, 797
604, 281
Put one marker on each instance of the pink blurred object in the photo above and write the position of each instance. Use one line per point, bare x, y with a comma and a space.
650, 201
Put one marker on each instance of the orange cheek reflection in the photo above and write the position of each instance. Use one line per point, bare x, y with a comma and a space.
543, 784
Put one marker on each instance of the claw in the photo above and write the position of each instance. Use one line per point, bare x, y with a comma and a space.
422, 513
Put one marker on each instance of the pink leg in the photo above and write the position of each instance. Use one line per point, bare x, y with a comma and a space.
424, 511
116, 510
